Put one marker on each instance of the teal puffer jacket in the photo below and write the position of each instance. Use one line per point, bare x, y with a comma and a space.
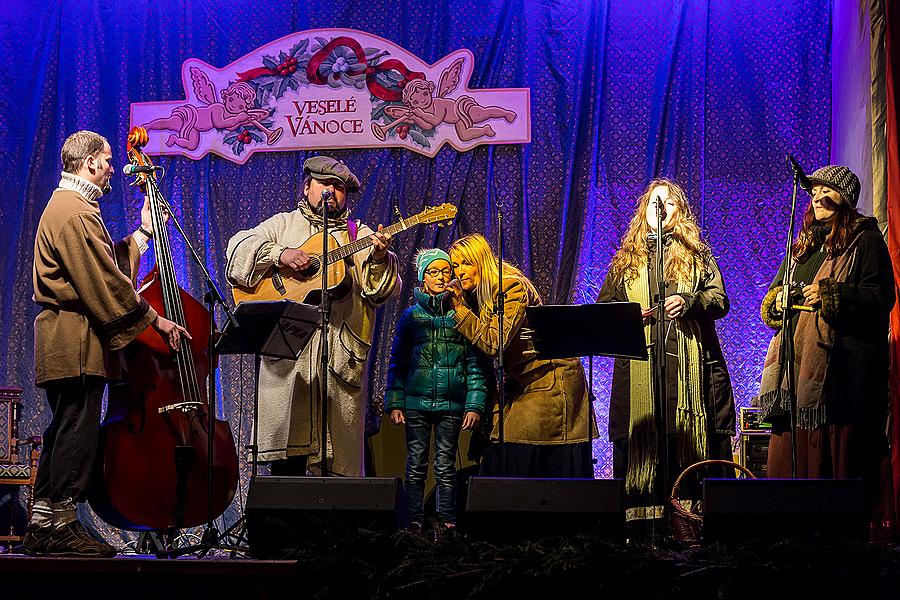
433, 367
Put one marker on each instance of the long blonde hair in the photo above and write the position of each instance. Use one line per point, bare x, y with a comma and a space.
687, 251
476, 250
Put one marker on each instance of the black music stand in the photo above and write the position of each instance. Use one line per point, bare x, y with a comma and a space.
605, 329
278, 329
571, 331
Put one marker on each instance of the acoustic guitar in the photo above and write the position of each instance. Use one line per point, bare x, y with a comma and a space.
283, 283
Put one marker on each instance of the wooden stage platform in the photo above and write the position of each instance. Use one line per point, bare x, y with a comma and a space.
144, 576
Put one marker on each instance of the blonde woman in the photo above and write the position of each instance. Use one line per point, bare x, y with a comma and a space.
700, 403
546, 412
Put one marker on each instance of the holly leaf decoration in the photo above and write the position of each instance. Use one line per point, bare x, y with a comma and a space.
299, 48
418, 138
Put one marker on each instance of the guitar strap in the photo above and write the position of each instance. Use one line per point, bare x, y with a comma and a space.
352, 229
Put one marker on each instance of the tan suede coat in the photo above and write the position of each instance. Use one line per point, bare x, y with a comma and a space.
89, 305
546, 400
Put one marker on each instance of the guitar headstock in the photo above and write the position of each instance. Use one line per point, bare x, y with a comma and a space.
438, 214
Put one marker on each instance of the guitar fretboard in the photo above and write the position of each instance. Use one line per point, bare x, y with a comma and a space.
363, 243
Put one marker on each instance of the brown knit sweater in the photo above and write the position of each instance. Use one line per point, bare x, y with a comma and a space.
89, 304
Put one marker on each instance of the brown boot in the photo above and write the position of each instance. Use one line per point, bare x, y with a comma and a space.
72, 539
35, 542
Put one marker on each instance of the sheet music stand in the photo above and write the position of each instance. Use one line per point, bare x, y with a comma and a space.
279, 329
605, 329
571, 331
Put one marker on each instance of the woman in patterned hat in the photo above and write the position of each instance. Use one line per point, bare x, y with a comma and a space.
699, 398
843, 271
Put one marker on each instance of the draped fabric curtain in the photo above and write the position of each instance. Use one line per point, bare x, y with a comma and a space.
892, 159
712, 94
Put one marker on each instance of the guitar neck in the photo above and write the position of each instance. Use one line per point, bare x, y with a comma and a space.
363, 243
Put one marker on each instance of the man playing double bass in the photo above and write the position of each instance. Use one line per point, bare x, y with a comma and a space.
89, 309
289, 390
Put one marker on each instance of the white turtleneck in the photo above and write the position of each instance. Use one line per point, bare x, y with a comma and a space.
91, 193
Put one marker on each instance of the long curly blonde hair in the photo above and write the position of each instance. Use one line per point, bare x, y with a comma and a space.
687, 251
476, 251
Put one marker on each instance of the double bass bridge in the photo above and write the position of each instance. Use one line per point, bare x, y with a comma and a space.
182, 406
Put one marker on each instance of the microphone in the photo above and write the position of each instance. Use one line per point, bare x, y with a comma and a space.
131, 169
797, 170
660, 210
327, 195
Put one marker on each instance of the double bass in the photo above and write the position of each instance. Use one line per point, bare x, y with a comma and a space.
155, 448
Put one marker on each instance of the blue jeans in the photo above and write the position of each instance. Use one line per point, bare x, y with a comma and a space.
446, 425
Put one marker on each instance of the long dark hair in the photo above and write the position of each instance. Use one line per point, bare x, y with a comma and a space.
837, 240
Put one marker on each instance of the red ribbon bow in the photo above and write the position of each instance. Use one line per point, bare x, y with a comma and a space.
376, 89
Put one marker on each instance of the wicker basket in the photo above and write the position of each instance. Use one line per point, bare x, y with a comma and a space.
686, 524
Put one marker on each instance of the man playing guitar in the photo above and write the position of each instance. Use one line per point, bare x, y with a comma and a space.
290, 405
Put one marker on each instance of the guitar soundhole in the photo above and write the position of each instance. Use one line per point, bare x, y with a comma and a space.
312, 269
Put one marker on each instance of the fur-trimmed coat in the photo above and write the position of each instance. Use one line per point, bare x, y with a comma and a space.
858, 310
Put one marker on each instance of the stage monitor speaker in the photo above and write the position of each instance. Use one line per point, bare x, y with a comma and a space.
744, 509
516, 509
285, 513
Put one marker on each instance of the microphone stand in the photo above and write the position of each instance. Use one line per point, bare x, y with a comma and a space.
213, 297
660, 346
501, 363
325, 313
787, 333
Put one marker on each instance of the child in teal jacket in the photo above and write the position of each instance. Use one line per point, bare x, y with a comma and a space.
436, 382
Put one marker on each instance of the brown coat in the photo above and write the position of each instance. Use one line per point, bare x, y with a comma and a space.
89, 305
546, 400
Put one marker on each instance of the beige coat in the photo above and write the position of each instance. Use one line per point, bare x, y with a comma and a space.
289, 411
89, 305
546, 400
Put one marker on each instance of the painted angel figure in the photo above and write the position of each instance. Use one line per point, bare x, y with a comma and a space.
428, 111
235, 110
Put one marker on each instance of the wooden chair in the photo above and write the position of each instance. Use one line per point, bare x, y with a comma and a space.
18, 460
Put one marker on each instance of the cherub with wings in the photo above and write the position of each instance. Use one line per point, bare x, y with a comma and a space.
235, 110
428, 111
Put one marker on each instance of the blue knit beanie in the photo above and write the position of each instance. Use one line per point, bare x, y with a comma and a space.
426, 257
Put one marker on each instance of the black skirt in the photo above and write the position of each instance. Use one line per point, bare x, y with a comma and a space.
569, 461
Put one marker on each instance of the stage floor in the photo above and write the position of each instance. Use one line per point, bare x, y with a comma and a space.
144, 576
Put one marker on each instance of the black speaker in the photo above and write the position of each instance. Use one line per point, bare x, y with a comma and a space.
284, 513
516, 509
745, 509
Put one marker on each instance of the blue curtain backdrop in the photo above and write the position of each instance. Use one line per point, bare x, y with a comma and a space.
710, 93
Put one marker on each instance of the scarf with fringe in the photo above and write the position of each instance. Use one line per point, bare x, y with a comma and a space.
813, 339
690, 408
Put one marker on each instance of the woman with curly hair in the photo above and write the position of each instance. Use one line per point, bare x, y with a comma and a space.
546, 417
700, 403
843, 271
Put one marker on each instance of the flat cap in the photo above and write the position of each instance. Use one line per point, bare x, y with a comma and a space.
325, 167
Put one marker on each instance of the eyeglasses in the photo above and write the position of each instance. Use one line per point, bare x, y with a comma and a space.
448, 272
